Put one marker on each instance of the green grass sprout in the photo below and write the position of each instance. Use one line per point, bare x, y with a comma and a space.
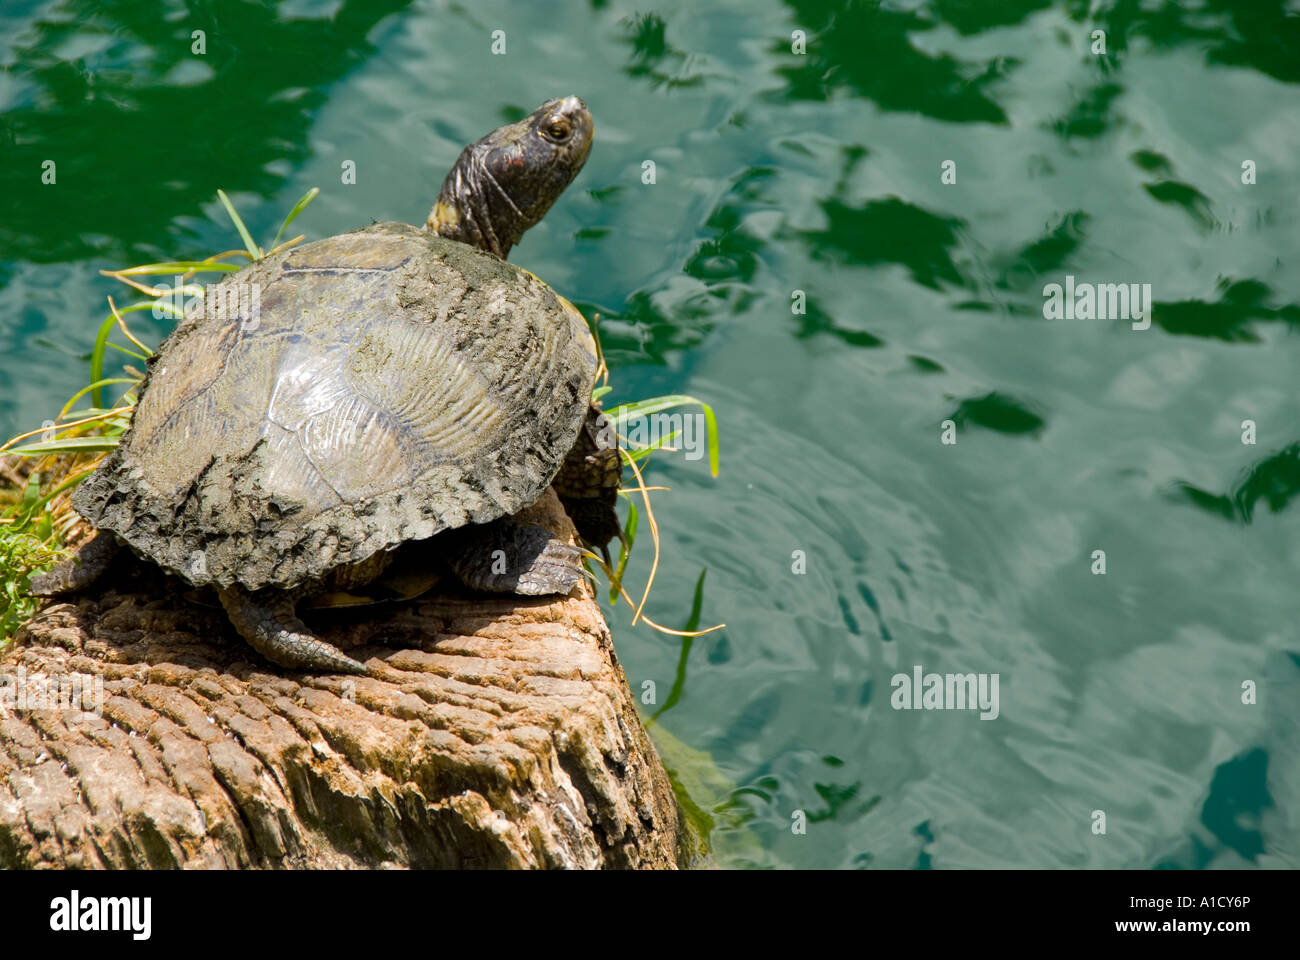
254, 250
298, 208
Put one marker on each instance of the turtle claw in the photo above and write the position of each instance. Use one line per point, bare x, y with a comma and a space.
509, 557
555, 570
267, 621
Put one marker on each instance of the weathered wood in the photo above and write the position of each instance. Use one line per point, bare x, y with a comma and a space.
497, 733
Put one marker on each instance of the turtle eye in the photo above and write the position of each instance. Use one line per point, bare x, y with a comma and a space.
557, 130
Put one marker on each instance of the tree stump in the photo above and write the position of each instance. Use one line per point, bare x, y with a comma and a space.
496, 733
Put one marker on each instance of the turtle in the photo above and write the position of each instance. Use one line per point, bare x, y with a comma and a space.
384, 387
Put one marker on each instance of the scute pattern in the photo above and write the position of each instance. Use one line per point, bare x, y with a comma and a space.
394, 385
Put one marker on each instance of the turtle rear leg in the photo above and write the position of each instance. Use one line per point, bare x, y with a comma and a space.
509, 557
80, 570
266, 619
589, 480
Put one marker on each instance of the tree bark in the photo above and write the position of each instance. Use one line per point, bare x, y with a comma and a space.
496, 733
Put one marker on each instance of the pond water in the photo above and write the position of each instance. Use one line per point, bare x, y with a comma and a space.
845, 542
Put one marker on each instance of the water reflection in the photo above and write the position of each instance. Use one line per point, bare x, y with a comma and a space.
142, 130
1273, 481
849, 42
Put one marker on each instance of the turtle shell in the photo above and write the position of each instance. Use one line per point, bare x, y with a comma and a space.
367, 389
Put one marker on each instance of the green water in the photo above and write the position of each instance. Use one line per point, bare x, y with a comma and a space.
820, 172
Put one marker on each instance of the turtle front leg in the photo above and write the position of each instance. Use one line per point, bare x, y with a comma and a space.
509, 557
266, 619
80, 570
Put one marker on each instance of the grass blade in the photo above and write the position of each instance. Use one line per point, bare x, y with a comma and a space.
176, 267
68, 446
244, 235
625, 550
645, 408
688, 634
101, 344
94, 386
298, 208
129, 353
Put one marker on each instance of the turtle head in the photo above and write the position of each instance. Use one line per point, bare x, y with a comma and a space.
505, 183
